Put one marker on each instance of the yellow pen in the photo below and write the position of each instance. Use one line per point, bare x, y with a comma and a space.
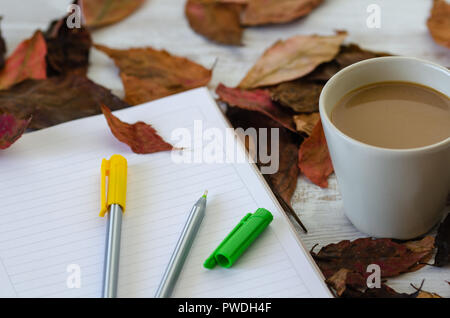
113, 202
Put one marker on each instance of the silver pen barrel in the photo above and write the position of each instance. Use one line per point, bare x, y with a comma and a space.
182, 249
112, 252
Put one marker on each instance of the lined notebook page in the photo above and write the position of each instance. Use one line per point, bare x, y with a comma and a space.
49, 223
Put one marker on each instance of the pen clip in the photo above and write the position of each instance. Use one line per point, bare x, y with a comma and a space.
104, 174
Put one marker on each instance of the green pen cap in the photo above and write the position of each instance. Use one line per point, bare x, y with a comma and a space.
241, 237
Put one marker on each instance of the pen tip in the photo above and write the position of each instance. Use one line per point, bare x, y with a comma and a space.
205, 194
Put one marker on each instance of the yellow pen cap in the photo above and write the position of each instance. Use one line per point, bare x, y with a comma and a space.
116, 170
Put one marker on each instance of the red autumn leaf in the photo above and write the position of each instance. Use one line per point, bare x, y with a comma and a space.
443, 243
258, 100
98, 13
258, 12
393, 258
218, 22
11, 129
141, 137
2, 48
56, 100
149, 74
314, 159
27, 61
67, 49
439, 22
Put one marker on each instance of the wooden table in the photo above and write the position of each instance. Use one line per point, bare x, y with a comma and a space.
161, 24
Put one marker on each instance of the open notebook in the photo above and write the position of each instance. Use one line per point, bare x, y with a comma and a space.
50, 200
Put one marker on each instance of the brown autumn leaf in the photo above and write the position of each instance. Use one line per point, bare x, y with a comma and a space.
216, 21
284, 181
141, 137
292, 58
56, 100
258, 12
439, 22
393, 258
256, 100
98, 13
2, 48
11, 129
67, 49
234, 1
443, 243
300, 95
345, 278
351, 284
148, 74
314, 159
383, 292
425, 294
348, 54
27, 61
306, 122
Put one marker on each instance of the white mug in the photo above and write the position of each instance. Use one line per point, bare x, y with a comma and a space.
396, 193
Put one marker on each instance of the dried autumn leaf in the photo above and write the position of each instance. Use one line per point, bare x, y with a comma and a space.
314, 159
57, 100
233, 1
351, 284
256, 100
300, 95
439, 22
259, 12
284, 180
292, 58
216, 21
425, 294
149, 74
2, 48
11, 129
443, 243
383, 292
306, 122
141, 137
68, 49
344, 278
98, 13
27, 61
348, 54
393, 258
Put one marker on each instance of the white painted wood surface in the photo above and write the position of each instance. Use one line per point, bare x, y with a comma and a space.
161, 24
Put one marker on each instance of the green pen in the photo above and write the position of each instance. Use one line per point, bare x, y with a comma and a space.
239, 239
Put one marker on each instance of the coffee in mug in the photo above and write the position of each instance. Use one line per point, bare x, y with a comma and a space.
396, 115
